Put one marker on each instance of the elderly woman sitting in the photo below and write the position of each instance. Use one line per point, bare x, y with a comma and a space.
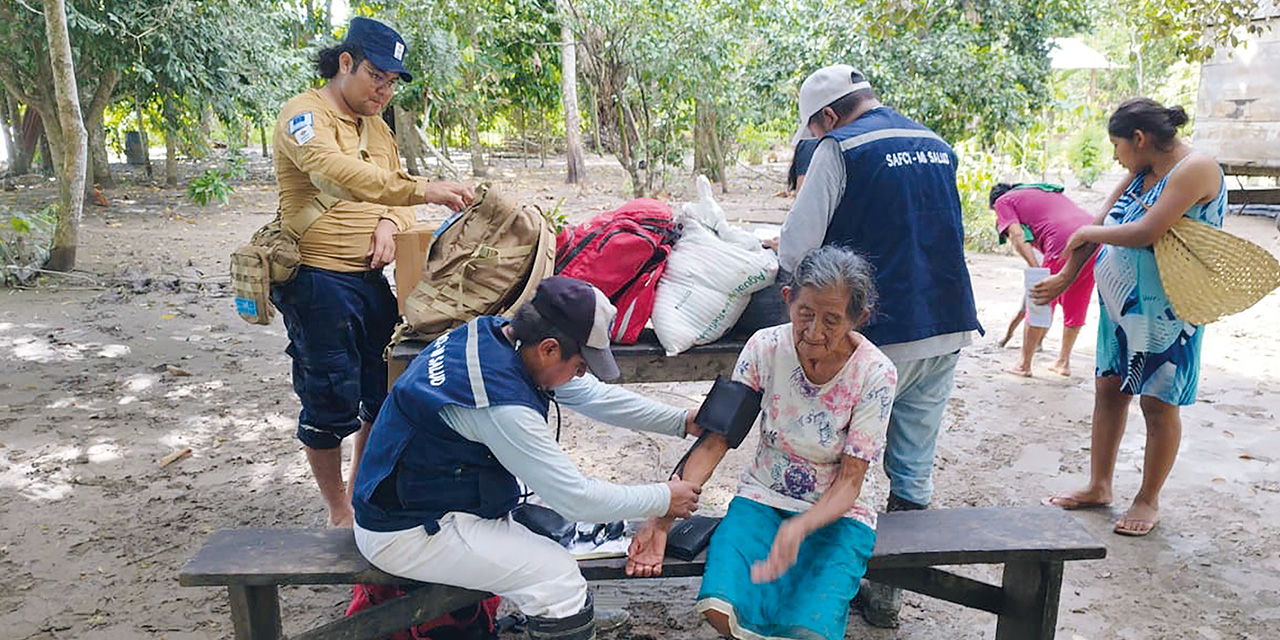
788, 557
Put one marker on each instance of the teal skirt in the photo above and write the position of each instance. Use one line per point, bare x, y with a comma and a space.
809, 601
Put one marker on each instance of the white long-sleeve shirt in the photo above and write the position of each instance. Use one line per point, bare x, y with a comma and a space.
526, 446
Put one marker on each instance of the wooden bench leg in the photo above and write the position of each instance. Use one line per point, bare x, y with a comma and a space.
1031, 591
255, 612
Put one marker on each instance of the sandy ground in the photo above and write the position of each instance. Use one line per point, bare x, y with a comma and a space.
103, 375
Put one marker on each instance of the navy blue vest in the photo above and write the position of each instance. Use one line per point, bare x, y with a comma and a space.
416, 468
901, 210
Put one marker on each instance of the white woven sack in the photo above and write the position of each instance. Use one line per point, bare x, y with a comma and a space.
706, 287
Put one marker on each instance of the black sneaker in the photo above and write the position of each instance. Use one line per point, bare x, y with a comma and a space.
879, 605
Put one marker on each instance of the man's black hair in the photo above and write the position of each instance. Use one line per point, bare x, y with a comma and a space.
845, 105
530, 328
327, 59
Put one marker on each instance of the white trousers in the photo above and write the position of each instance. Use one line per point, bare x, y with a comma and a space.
500, 556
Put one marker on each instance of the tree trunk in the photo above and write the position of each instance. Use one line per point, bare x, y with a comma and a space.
262, 134
74, 138
207, 119
30, 132
10, 149
703, 127
477, 158
142, 133
523, 128
170, 159
576, 168
407, 139
100, 166
542, 144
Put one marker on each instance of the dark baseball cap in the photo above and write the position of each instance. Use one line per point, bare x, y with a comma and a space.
381, 45
583, 313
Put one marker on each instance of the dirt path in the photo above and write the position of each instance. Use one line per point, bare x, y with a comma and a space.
98, 383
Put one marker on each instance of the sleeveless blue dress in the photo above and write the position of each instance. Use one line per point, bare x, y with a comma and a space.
1140, 339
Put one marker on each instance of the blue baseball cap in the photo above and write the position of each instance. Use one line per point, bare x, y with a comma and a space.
381, 45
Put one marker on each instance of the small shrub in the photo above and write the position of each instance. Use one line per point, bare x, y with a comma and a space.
210, 187
237, 166
559, 218
25, 242
977, 172
1087, 155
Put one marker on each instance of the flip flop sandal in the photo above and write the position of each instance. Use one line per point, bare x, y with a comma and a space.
1067, 503
1135, 533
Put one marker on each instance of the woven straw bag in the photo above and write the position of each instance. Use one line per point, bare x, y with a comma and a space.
1209, 273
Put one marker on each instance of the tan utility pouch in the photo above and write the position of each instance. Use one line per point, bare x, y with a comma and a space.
273, 256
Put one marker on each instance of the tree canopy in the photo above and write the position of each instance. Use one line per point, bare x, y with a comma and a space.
666, 85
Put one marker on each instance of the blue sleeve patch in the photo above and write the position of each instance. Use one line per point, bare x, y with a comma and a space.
299, 121
246, 307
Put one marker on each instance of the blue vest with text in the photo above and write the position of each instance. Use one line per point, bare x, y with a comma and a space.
901, 211
415, 467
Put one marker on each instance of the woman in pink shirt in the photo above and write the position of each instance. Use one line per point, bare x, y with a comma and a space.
1051, 217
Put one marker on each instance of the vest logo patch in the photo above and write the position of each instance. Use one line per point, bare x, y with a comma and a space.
435, 361
299, 121
904, 158
304, 135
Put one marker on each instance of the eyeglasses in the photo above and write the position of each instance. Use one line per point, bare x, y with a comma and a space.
380, 79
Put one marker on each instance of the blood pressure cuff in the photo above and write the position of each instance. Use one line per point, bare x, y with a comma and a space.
729, 410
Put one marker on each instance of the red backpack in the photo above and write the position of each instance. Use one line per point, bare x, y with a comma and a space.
623, 253
472, 622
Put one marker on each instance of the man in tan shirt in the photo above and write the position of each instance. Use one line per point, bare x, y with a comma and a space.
339, 310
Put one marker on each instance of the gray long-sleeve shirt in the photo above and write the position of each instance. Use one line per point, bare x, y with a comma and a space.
805, 229
524, 443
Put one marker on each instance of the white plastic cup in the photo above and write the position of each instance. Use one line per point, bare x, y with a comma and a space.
1038, 315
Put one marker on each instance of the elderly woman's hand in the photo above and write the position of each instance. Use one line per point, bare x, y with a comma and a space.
648, 548
786, 547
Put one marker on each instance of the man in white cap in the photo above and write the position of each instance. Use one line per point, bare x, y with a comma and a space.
468, 418
885, 186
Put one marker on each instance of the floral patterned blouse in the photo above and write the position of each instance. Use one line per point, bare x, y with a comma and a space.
805, 428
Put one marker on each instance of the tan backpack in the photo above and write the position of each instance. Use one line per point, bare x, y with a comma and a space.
487, 261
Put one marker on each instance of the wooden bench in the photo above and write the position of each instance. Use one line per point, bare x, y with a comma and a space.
1031, 542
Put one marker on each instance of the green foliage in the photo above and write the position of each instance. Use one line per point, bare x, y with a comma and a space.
25, 242
1194, 28
755, 140
1087, 155
1027, 148
978, 170
558, 217
212, 186
237, 166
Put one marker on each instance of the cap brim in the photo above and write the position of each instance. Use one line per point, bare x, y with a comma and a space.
802, 133
601, 363
390, 65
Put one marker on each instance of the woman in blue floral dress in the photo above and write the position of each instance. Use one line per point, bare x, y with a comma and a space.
1143, 348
